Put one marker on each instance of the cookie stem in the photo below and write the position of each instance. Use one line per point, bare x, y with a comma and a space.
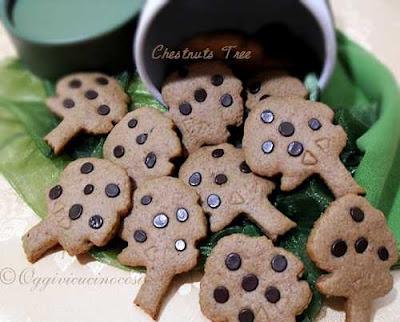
270, 220
38, 240
338, 179
358, 310
61, 135
152, 291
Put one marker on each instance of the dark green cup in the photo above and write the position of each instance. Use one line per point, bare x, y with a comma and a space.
40, 30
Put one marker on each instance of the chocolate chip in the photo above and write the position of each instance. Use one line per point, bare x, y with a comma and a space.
68, 103
185, 108
339, 248
96, 222
102, 81
180, 245
221, 179
75, 211
314, 124
357, 214
286, 129
75, 83
217, 80
119, 151
233, 261
140, 236
182, 214
195, 179
272, 294
383, 253
213, 201
226, 100
150, 160
217, 153
146, 200
88, 189
295, 149
103, 109
200, 95
249, 282
279, 263
112, 190
91, 94
244, 167
141, 138
132, 123
361, 245
246, 315
221, 294
255, 87
160, 220
264, 97
267, 147
267, 116
87, 167
55, 192
183, 72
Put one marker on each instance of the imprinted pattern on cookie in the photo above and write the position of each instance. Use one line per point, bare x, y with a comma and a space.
228, 188
204, 103
143, 142
273, 83
162, 231
84, 209
249, 280
352, 242
88, 102
296, 138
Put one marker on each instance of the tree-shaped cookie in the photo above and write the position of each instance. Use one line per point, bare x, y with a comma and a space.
248, 279
88, 102
228, 188
296, 138
84, 209
273, 83
162, 231
352, 242
203, 101
143, 142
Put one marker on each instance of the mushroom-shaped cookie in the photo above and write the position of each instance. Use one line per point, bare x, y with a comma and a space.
84, 209
143, 142
228, 188
273, 83
352, 242
89, 102
296, 138
248, 279
162, 231
203, 101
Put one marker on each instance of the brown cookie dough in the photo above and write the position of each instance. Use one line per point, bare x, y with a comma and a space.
84, 209
296, 138
273, 83
143, 143
203, 101
352, 242
248, 279
162, 231
89, 102
228, 188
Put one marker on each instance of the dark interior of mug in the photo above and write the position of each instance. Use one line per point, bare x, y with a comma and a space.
284, 27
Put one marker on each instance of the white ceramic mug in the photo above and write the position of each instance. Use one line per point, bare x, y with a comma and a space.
169, 22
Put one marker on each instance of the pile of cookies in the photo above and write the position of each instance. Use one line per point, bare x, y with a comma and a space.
132, 192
